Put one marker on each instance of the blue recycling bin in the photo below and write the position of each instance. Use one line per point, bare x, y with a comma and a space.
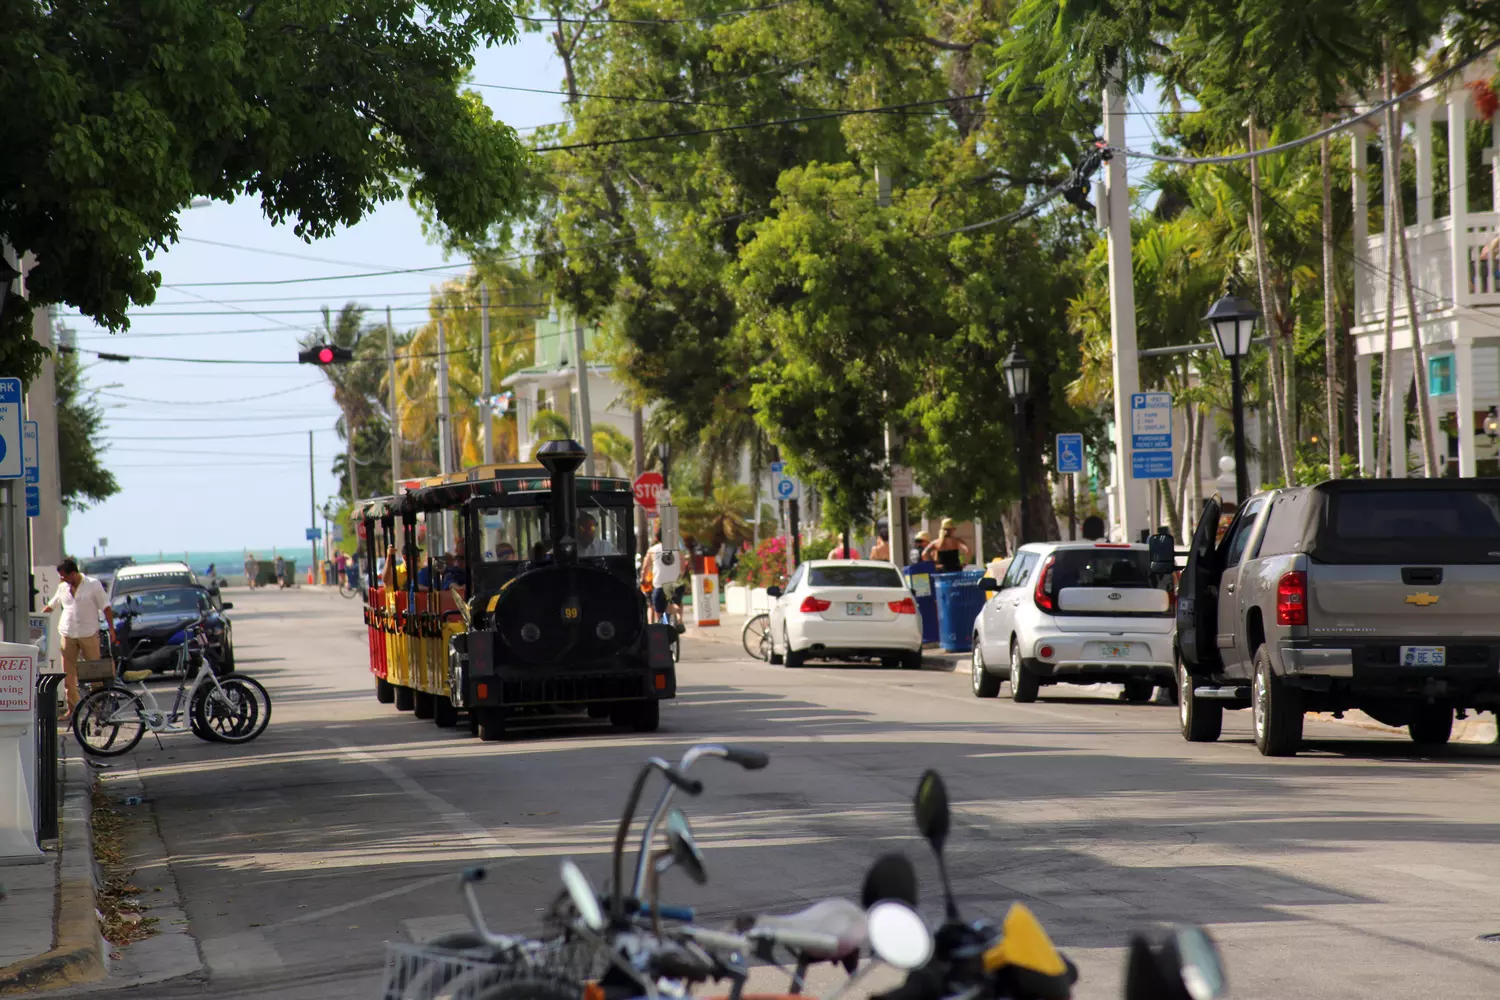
919, 579
960, 598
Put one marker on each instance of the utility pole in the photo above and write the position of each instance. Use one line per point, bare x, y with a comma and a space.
41, 406
312, 504
1130, 504
390, 363
445, 434
484, 374
585, 417
638, 466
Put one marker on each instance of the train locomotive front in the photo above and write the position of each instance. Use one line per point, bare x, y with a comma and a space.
550, 620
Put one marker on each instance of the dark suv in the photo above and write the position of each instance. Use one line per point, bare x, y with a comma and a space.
1376, 595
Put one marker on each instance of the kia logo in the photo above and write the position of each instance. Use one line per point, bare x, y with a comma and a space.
1114, 596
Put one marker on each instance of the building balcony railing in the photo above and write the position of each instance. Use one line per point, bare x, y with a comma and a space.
1430, 248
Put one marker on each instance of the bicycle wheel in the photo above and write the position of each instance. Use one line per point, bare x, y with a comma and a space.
756, 636
109, 722
238, 715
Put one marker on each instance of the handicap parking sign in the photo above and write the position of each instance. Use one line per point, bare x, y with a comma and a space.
1070, 453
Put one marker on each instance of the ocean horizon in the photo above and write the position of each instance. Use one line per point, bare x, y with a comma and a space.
227, 561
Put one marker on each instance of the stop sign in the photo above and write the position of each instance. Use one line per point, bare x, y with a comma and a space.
647, 486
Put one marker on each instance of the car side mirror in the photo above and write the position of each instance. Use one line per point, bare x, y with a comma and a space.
773, 592
1163, 553
989, 585
226, 606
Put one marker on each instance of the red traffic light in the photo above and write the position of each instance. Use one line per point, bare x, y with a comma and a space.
325, 354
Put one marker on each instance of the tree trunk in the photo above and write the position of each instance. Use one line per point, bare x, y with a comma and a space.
349, 457
1418, 354
1330, 326
1268, 309
1191, 515
1178, 509
1390, 175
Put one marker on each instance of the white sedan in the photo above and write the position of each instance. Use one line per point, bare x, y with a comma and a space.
835, 609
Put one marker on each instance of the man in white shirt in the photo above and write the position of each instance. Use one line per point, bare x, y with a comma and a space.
589, 542
83, 600
663, 569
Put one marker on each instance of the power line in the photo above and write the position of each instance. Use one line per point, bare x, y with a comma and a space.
219, 452
317, 309
212, 402
176, 418
225, 437
653, 21
278, 253
1318, 136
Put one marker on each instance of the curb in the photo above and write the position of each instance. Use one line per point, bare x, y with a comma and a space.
80, 953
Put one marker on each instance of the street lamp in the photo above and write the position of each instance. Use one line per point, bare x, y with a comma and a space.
1018, 382
1232, 320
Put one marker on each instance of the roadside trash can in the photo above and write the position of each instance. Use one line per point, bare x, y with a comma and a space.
919, 579
959, 600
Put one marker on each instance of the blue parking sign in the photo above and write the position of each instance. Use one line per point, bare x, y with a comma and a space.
1070, 453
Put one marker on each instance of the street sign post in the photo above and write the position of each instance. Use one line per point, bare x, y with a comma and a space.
1151, 435
30, 437
648, 487
782, 483
11, 454
1070, 453
313, 534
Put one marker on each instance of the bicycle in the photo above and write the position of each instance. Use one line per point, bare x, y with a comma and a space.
112, 719
349, 588
756, 636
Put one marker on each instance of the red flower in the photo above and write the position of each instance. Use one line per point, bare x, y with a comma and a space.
1486, 102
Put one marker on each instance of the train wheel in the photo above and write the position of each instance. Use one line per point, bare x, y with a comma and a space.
599, 710
422, 704
385, 692
444, 715
641, 716
491, 724
405, 698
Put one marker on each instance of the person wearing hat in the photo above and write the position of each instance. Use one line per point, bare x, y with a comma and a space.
919, 546
948, 551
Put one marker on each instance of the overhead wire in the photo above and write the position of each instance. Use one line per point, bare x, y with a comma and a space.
720, 15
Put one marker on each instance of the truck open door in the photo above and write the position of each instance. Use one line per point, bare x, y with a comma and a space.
1198, 595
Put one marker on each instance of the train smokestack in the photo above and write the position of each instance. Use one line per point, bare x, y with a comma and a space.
561, 459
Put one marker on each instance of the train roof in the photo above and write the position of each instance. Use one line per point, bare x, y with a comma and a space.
450, 491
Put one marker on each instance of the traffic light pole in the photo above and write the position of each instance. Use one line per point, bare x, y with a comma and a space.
312, 503
486, 432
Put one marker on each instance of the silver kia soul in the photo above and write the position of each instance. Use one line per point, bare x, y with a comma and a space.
1077, 613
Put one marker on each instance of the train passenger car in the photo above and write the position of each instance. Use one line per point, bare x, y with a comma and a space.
543, 615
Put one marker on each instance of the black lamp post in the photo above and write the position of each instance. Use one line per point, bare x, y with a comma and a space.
1232, 320
1018, 382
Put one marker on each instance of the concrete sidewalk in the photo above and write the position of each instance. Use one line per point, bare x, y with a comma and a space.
49, 924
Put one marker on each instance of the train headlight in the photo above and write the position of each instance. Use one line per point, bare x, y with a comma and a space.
605, 630
530, 632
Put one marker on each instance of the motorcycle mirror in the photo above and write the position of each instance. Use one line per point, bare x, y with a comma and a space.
582, 894
891, 877
1199, 966
684, 849
931, 807
1186, 966
898, 935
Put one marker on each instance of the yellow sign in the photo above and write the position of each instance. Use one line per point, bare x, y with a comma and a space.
1421, 600
570, 613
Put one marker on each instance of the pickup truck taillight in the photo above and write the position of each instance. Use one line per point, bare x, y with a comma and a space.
1043, 599
1291, 599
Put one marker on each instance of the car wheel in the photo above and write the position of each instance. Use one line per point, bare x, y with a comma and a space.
226, 656
1202, 718
491, 723
772, 657
1278, 710
985, 684
794, 659
1138, 690
912, 660
1024, 684
1431, 726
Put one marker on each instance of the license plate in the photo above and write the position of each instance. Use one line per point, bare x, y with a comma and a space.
859, 609
1116, 650
1424, 656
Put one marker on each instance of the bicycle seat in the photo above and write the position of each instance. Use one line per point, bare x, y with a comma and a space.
131, 676
838, 918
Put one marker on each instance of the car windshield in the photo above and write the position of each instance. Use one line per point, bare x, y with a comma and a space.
1113, 568
150, 602
150, 581
107, 564
854, 576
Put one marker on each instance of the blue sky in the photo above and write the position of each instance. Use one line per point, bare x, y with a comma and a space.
213, 457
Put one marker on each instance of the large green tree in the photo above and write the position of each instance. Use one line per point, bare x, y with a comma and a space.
80, 446
116, 114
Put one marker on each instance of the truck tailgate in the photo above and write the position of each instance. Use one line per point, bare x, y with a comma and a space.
1378, 601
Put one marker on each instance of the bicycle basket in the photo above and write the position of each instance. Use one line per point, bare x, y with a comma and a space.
419, 972
94, 671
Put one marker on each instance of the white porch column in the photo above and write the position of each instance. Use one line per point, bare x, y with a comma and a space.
1396, 410
1364, 413
1458, 186
1422, 124
1494, 153
1359, 139
1463, 395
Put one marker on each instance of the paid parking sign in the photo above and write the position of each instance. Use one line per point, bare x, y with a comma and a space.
1070, 453
782, 483
1150, 421
11, 465
29, 440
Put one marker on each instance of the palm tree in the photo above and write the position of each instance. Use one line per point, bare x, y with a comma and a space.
351, 381
615, 448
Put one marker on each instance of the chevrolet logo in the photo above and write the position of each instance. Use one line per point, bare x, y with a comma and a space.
1421, 600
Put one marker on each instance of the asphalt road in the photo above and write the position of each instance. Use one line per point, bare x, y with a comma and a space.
1358, 869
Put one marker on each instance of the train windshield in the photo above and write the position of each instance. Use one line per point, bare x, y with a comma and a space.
513, 534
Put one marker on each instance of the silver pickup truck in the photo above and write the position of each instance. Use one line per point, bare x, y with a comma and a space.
1377, 595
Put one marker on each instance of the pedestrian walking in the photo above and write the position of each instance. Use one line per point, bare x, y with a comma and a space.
839, 552
662, 569
949, 550
919, 547
882, 547
280, 566
83, 600
252, 571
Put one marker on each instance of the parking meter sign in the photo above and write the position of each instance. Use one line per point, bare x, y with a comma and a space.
782, 483
1070, 453
1151, 421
